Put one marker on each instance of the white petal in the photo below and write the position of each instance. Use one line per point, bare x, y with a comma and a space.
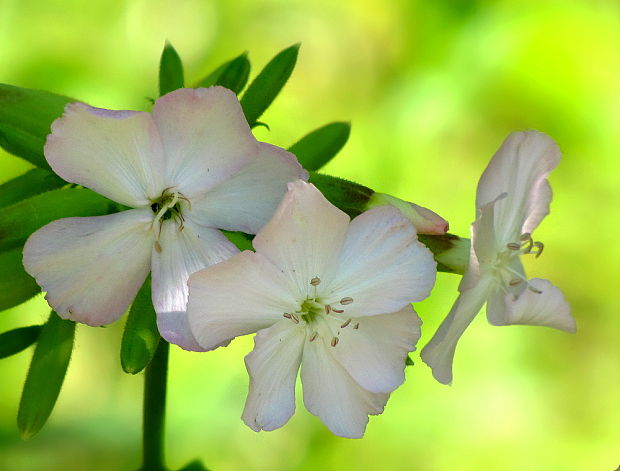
519, 168
273, 366
205, 135
548, 308
91, 267
382, 266
374, 349
115, 153
246, 201
304, 237
439, 352
182, 253
332, 394
242, 295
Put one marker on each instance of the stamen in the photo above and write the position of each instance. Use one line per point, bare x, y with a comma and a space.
348, 321
514, 282
339, 311
527, 241
540, 246
534, 290
356, 326
287, 315
328, 309
335, 341
157, 246
345, 301
313, 337
315, 281
292, 317
513, 246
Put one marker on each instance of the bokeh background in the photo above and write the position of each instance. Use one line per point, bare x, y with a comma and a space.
431, 89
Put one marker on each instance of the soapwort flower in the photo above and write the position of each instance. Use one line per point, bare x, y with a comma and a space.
323, 292
513, 196
187, 169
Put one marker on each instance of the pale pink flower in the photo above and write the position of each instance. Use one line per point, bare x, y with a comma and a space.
323, 292
187, 169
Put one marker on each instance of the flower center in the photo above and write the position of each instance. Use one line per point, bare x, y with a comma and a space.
167, 206
313, 310
525, 246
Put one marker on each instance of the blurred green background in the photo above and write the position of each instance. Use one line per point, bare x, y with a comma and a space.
431, 89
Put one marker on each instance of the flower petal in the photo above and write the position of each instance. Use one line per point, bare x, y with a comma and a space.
304, 237
92, 267
547, 308
382, 266
247, 200
332, 394
439, 352
183, 252
239, 296
273, 366
519, 168
205, 135
115, 153
374, 350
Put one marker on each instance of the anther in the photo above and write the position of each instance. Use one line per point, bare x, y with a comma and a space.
345, 301
295, 319
525, 237
313, 337
514, 282
345, 324
534, 290
315, 281
339, 311
334, 341
356, 326
287, 315
540, 246
513, 246
328, 309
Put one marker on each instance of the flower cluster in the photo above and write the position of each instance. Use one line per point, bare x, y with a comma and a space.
325, 294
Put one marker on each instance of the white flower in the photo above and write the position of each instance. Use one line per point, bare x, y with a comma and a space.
513, 197
330, 294
189, 167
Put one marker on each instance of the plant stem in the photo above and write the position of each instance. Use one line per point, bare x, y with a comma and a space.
155, 410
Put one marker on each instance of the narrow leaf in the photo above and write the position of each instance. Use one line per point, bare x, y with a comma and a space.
31, 183
236, 73
25, 119
20, 220
170, 70
349, 196
266, 86
16, 286
317, 148
16, 340
46, 375
141, 336
213, 76
240, 239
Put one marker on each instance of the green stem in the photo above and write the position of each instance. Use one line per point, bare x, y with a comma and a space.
155, 410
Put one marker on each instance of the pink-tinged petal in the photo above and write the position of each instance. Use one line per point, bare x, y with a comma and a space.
241, 295
439, 352
519, 168
548, 307
206, 138
273, 366
91, 267
183, 252
497, 314
115, 153
333, 395
483, 235
374, 349
382, 266
423, 219
304, 237
247, 200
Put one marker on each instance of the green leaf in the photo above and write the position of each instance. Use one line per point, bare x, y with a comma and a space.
210, 79
141, 336
317, 148
20, 220
16, 286
46, 375
236, 73
16, 340
25, 119
170, 70
408, 361
240, 239
349, 196
31, 183
266, 86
